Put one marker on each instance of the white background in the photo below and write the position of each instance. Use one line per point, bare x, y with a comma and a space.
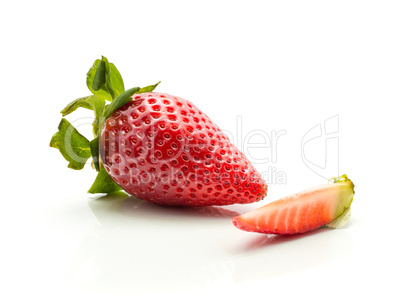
277, 65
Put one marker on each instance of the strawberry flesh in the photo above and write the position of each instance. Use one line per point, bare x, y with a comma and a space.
301, 212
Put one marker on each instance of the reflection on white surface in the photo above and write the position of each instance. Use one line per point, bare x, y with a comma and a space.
137, 247
276, 255
141, 246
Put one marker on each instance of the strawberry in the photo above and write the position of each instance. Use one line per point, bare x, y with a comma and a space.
163, 149
155, 146
304, 211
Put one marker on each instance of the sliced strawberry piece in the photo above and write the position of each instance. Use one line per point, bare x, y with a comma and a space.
304, 211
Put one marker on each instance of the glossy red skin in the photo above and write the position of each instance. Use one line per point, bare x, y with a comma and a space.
161, 148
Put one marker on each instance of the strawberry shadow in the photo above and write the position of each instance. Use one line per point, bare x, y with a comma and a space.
268, 240
122, 203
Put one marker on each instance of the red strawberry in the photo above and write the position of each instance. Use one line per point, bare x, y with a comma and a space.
301, 212
155, 146
163, 149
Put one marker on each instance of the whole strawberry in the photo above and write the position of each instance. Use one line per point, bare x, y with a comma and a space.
155, 146
163, 149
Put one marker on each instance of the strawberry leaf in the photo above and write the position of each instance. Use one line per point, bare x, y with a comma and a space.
94, 145
72, 145
103, 183
125, 97
90, 102
121, 100
74, 105
115, 81
104, 80
148, 88
100, 77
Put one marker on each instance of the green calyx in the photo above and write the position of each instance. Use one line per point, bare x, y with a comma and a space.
108, 94
342, 179
346, 190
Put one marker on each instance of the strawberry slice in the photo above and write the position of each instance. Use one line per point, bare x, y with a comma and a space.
302, 212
